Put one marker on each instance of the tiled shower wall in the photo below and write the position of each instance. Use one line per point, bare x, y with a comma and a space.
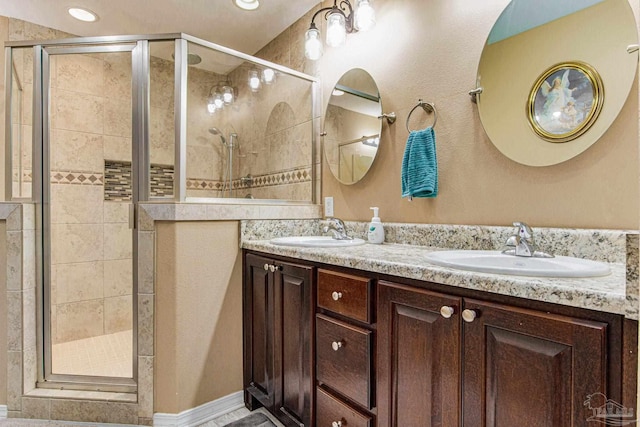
91, 277
275, 128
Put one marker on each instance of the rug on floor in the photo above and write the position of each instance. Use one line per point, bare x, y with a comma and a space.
252, 420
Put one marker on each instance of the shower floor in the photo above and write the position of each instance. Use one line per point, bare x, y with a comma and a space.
104, 356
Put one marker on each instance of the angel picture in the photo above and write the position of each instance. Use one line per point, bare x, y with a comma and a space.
558, 96
563, 102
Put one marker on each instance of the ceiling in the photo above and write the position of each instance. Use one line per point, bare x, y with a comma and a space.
218, 21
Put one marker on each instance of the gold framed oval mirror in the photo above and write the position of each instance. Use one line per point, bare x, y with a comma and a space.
352, 128
530, 46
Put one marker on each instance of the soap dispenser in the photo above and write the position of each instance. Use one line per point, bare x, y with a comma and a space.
376, 231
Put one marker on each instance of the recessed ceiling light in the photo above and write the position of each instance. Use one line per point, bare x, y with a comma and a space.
82, 14
247, 4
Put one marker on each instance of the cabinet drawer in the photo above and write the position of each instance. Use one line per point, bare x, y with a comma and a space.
343, 361
330, 409
345, 294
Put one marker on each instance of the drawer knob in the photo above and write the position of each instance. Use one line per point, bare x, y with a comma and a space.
336, 295
447, 311
336, 424
469, 315
336, 345
266, 266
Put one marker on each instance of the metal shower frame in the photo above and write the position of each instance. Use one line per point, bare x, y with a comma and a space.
139, 46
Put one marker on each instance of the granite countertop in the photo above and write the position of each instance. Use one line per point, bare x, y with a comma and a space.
606, 293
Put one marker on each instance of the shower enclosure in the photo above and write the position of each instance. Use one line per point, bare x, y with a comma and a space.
98, 125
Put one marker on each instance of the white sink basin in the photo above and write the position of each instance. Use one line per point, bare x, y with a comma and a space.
315, 242
497, 262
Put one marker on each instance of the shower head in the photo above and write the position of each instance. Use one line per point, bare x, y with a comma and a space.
192, 58
216, 131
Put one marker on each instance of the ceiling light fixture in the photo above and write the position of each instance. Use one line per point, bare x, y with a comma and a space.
341, 20
247, 4
82, 14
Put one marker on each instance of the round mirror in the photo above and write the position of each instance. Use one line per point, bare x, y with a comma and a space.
351, 126
555, 75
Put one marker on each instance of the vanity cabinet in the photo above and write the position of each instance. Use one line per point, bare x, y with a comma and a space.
278, 338
510, 366
335, 347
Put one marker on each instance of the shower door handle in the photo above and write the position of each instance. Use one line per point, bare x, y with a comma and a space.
132, 216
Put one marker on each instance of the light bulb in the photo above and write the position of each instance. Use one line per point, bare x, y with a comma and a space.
268, 76
227, 95
312, 44
211, 105
254, 81
336, 29
218, 101
365, 16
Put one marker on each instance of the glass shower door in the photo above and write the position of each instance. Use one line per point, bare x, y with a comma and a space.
89, 287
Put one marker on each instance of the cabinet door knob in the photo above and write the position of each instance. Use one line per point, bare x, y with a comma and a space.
336, 345
336, 295
266, 266
272, 268
447, 311
469, 315
336, 424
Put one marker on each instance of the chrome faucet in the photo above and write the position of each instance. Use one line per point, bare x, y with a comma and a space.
522, 243
337, 228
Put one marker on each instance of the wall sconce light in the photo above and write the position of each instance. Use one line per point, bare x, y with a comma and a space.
220, 96
341, 20
254, 80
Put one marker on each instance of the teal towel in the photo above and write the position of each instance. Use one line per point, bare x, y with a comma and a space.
420, 165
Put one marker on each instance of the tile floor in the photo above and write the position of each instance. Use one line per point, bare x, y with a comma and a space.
103, 356
217, 422
106, 355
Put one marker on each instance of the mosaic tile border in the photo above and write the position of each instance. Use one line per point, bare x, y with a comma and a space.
284, 177
77, 178
272, 179
27, 176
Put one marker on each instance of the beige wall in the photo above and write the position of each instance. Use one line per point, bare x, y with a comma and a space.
432, 52
3, 313
198, 314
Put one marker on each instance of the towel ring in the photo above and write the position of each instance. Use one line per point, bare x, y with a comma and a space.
426, 106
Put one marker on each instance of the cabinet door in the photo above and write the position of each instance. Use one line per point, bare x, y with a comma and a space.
258, 315
529, 368
293, 343
418, 358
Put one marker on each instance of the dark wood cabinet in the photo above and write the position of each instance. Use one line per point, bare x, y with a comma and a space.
511, 366
348, 348
345, 366
419, 369
523, 367
278, 338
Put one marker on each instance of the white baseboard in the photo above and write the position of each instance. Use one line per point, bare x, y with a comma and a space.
201, 414
3, 412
